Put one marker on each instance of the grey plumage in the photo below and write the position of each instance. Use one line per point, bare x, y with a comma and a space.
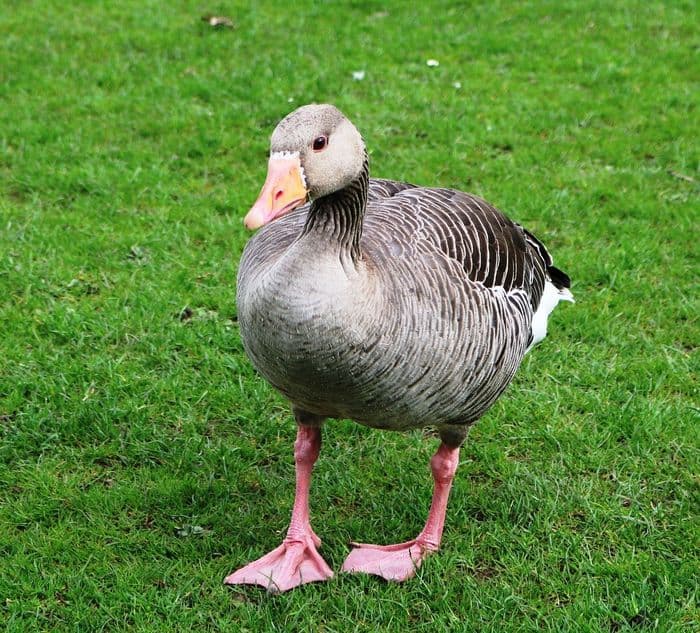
394, 305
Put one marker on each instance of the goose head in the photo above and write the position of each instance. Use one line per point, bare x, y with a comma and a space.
314, 151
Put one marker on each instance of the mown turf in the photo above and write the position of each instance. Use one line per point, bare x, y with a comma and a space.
141, 459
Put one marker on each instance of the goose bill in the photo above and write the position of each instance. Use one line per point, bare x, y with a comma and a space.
284, 190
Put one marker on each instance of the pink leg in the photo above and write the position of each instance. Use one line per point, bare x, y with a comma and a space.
399, 562
296, 560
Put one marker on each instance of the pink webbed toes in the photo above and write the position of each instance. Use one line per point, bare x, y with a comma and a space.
293, 563
391, 562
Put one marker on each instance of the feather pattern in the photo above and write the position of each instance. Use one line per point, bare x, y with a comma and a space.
394, 305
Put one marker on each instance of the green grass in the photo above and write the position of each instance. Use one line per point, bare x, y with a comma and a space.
141, 458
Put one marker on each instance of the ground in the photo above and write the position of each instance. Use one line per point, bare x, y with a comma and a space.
142, 459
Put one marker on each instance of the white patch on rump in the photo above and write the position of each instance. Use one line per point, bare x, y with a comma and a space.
550, 297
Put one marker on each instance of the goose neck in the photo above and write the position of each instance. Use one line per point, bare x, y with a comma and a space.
338, 216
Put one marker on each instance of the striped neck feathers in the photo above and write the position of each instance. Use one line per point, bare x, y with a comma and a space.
338, 216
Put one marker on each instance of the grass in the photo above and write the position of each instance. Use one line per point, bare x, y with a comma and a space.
141, 459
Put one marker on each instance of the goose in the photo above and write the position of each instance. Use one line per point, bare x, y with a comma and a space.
393, 305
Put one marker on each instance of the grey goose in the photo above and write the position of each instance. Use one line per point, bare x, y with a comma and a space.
393, 305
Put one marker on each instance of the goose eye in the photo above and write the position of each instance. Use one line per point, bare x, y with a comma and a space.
319, 143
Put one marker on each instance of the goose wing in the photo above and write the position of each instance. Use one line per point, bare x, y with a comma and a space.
492, 250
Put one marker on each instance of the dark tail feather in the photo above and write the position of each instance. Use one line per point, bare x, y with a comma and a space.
559, 278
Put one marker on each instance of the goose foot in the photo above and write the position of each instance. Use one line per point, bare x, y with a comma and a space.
392, 562
399, 562
295, 562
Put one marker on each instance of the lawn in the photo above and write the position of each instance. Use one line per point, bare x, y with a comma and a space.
141, 457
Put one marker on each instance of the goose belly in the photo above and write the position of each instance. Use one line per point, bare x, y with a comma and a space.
425, 362
443, 366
